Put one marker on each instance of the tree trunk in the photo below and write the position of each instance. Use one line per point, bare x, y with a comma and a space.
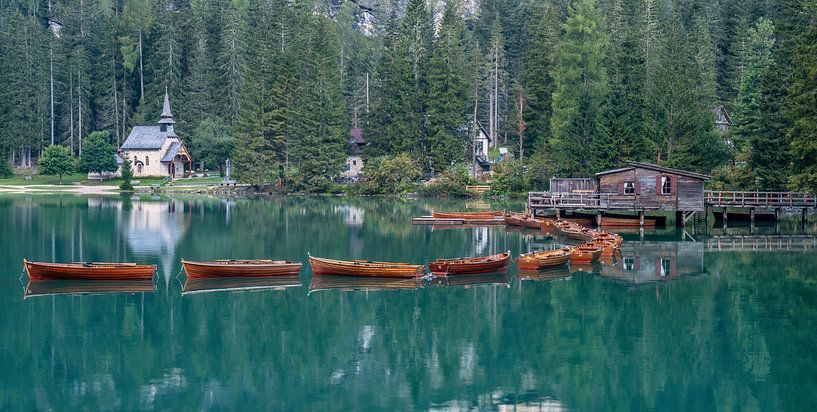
141, 72
79, 109
71, 111
51, 83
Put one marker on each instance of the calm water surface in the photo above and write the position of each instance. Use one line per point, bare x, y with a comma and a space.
673, 325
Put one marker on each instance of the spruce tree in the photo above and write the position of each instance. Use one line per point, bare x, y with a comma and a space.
537, 81
448, 96
802, 110
581, 83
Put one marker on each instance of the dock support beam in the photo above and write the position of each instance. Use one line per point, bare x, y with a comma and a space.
751, 221
598, 219
641, 219
679, 219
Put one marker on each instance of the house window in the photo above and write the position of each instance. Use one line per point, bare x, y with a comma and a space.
666, 266
147, 161
666, 185
354, 162
629, 188
629, 263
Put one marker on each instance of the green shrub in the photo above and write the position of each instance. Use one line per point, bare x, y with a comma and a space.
390, 175
127, 175
509, 178
451, 183
5, 168
98, 154
57, 160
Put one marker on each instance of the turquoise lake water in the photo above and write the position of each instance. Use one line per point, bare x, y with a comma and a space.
714, 319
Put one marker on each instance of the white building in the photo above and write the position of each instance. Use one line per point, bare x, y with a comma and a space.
156, 150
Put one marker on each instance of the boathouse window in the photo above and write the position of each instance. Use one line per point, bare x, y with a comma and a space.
666, 266
666, 185
629, 188
629, 263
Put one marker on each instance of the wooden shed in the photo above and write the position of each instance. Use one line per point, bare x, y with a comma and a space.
646, 186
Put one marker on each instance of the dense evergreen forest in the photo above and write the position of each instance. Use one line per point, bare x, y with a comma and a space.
571, 87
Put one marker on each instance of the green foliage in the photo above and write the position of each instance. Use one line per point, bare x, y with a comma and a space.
57, 160
127, 175
391, 175
213, 143
803, 105
509, 178
451, 183
581, 84
5, 168
98, 154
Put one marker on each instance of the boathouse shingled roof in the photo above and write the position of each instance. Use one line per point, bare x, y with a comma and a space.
171, 152
657, 168
145, 137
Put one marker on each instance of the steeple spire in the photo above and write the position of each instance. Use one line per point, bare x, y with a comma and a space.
167, 117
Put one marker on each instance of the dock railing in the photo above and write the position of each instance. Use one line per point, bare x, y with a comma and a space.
580, 200
724, 198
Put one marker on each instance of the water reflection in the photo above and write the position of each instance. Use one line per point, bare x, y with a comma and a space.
353, 283
483, 279
238, 284
37, 288
643, 262
154, 229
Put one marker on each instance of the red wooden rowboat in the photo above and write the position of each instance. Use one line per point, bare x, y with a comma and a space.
585, 254
533, 222
544, 259
89, 270
466, 215
630, 221
231, 268
575, 232
608, 236
514, 219
323, 266
608, 247
462, 266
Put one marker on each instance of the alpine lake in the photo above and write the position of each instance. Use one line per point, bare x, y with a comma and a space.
711, 319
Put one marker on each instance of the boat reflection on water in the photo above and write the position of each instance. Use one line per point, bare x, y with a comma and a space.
365, 283
239, 284
483, 279
593, 268
560, 273
86, 287
643, 262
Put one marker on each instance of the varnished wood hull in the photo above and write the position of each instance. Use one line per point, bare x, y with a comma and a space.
485, 264
51, 287
514, 219
227, 268
322, 266
100, 271
585, 255
544, 259
630, 221
575, 233
466, 215
239, 283
608, 247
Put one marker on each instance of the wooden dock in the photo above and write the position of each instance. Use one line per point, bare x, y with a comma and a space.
791, 243
430, 220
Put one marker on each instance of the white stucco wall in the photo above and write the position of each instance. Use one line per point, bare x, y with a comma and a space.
354, 166
150, 159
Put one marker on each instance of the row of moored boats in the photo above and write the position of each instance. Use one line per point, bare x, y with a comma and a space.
596, 244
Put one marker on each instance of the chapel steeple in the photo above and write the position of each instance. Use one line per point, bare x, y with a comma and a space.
166, 122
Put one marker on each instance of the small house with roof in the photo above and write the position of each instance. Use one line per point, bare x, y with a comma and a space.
354, 157
723, 121
157, 150
481, 143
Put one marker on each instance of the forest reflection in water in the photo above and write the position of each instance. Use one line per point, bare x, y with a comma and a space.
668, 325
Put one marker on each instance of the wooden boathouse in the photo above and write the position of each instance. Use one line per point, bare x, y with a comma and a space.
645, 187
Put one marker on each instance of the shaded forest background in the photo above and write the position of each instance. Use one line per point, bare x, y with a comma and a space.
571, 87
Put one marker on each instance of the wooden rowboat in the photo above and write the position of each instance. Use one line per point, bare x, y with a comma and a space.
575, 232
608, 236
462, 266
466, 215
51, 287
544, 259
231, 268
533, 223
608, 247
89, 270
585, 254
514, 219
617, 220
323, 266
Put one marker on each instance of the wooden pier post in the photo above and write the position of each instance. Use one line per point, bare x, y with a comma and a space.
679, 219
598, 219
641, 219
804, 216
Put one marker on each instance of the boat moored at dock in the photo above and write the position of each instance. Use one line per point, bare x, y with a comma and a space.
483, 264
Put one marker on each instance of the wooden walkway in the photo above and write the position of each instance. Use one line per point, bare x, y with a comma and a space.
792, 243
760, 200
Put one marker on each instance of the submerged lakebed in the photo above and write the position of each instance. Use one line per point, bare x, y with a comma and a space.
674, 324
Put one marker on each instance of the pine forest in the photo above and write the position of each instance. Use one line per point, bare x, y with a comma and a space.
568, 87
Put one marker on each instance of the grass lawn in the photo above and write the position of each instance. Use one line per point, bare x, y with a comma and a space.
20, 180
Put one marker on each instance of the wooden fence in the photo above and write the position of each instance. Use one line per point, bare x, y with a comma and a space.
722, 198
